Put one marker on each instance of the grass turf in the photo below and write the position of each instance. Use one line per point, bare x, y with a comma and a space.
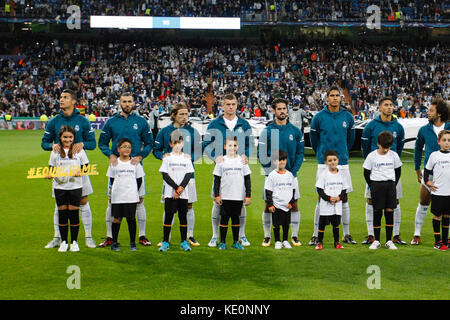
31, 272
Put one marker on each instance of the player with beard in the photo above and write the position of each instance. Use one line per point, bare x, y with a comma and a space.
127, 124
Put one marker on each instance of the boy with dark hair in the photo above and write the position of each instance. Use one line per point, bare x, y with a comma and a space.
382, 170
331, 187
279, 190
176, 170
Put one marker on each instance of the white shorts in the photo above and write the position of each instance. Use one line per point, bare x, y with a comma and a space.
191, 190
367, 194
296, 188
344, 169
87, 187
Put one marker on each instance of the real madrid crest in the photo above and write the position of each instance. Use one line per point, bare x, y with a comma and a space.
135, 126
344, 124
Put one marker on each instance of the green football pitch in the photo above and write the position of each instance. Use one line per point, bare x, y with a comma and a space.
31, 272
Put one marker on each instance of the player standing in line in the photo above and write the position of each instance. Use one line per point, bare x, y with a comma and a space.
282, 135
382, 170
427, 136
68, 190
84, 139
438, 166
232, 189
213, 144
176, 170
127, 124
279, 195
384, 122
125, 180
333, 129
331, 187
179, 115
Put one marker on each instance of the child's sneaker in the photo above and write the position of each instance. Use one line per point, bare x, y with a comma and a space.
144, 241
133, 246
237, 245
193, 242
185, 246
213, 242
222, 246
415, 241
390, 245
164, 246
348, 239
440, 246
115, 246
375, 245
319, 246
337, 245
313, 241
63, 247
369, 240
286, 244
90, 243
278, 245
74, 247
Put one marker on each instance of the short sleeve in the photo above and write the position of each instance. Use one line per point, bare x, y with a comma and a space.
268, 184
321, 181
83, 158
430, 163
164, 166
189, 167
52, 160
111, 172
139, 171
397, 162
368, 162
218, 170
246, 170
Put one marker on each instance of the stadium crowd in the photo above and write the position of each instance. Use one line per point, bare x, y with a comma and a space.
31, 81
248, 10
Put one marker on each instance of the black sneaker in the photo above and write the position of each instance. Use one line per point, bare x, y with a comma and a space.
266, 242
369, 240
193, 242
314, 241
348, 239
398, 240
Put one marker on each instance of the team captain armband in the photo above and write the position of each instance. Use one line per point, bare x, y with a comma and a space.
44, 172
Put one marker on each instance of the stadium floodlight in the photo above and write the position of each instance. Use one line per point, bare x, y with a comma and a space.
127, 22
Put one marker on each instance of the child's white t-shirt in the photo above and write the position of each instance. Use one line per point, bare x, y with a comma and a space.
382, 166
282, 187
124, 188
177, 166
439, 162
332, 184
232, 173
68, 183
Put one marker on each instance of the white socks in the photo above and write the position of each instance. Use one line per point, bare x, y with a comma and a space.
369, 219
109, 220
141, 217
421, 213
345, 218
316, 220
190, 216
215, 220
56, 222
295, 223
397, 221
242, 220
267, 224
86, 217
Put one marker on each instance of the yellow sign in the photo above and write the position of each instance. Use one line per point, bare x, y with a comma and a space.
53, 172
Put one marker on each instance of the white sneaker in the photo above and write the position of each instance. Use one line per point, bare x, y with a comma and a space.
63, 246
244, 241
287, 245
390, 245
375, 245
278, 245
74, 247
213, 242
54, 243
90, 243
